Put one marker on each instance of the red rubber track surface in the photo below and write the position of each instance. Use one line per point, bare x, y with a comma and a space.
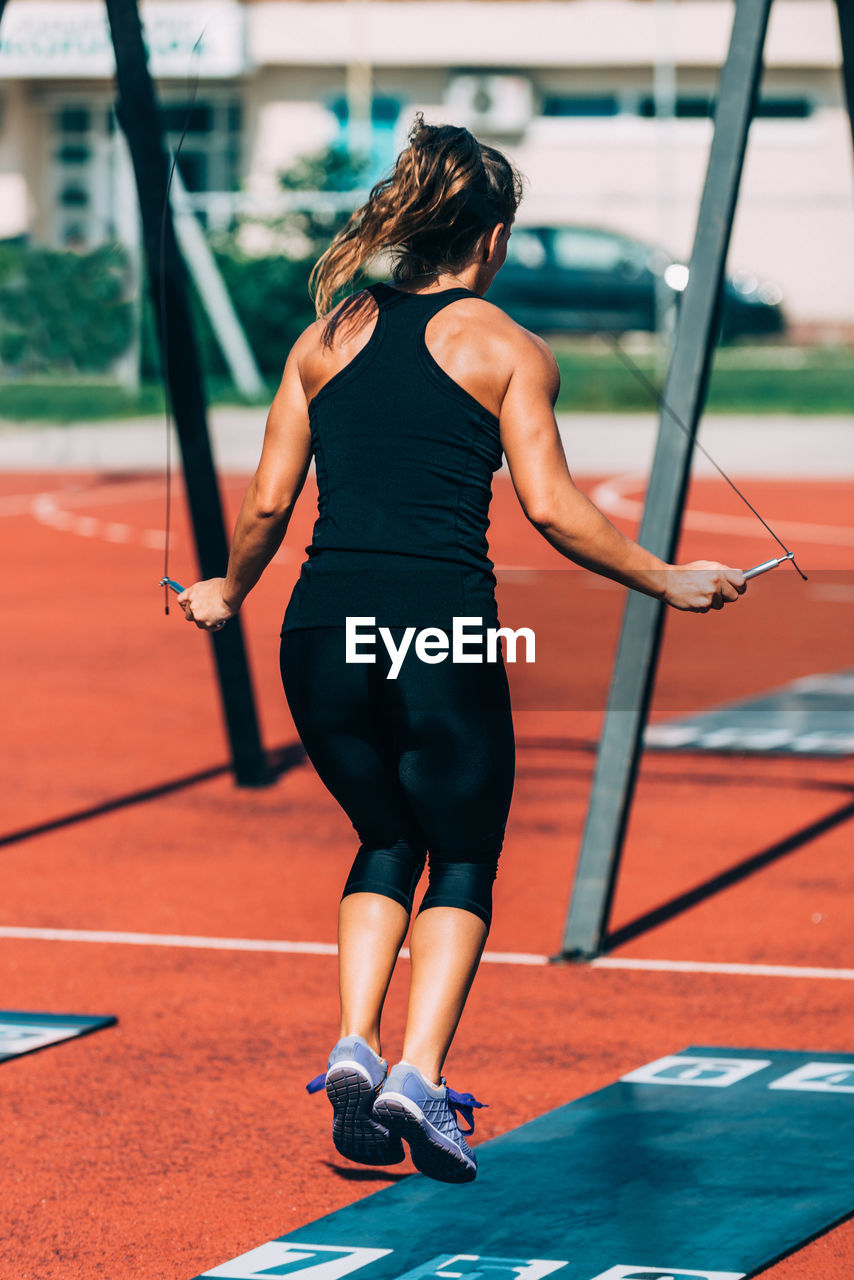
184, 1136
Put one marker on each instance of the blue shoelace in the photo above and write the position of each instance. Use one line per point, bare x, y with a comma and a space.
464, 1103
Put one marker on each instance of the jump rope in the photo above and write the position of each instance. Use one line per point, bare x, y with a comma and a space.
610, 339
166, 582
626, 360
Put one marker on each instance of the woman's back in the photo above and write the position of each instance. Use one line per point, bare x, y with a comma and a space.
471, 341
404, 457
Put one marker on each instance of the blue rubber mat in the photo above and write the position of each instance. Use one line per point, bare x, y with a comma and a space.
813, 716
709, 1164
22, 1033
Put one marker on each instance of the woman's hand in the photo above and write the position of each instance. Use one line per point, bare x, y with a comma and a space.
702, 585
203, 603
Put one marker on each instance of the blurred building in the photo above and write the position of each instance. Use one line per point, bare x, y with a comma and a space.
604, 104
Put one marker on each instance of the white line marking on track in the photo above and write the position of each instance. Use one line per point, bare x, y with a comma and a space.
154, 539
143, 490
507, 957
170, 940
47, 510
115, 532
223, 944
16, 504
612, 497
836, 592
53, 509
199, 943
715, 966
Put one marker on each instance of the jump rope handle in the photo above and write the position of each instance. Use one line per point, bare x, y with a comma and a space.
767, 565
170, 582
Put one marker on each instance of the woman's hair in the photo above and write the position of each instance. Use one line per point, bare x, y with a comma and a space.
445, 192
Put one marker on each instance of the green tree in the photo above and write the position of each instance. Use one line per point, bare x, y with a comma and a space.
270, 291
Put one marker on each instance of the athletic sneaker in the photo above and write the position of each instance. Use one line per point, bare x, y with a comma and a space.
425, 1116
353, 1080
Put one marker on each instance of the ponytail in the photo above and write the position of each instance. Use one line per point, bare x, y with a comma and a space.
445, 192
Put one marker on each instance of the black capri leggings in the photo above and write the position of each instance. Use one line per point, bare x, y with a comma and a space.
422, 765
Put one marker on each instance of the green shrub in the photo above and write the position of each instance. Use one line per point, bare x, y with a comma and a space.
270, 295
63, 311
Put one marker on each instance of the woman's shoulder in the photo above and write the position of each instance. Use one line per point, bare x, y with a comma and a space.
332, 340
485, 324
338, 327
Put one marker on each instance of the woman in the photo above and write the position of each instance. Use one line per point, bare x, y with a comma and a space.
407, 395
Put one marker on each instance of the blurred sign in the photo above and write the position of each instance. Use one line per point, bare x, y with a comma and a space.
51, 38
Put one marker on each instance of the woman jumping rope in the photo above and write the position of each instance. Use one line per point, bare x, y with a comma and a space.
406, 396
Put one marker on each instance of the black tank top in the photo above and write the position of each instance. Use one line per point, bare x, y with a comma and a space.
404, 458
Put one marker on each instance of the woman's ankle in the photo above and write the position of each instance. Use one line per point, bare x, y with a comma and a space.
429, 1067
371, 1037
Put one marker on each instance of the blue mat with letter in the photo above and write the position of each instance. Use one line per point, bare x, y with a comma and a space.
22, 1033
708, 1164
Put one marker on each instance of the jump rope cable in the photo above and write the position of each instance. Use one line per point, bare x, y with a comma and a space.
610, 339
193, 88
626, 360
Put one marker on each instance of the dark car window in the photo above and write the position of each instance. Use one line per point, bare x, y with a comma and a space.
526, 249
587, 250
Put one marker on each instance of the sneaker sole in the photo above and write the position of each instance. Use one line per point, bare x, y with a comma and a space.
432, 1153
356, 1135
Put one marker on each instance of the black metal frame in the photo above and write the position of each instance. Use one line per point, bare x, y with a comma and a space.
586, 931
845, 13
633, 677
139, 117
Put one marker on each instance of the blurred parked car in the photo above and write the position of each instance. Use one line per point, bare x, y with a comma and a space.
577, 279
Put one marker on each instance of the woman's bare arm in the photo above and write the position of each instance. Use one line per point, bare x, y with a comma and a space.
266, 508
566, 517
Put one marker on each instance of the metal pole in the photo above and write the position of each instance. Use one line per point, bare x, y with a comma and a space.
224, 320
664, 86
138, 113
685, 390
126, 215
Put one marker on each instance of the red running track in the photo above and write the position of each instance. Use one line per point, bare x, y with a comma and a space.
184, 1137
